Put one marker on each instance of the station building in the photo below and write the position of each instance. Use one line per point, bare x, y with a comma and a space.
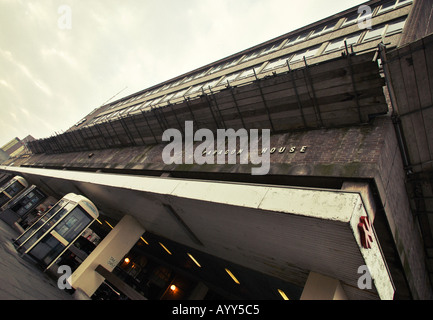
344, 211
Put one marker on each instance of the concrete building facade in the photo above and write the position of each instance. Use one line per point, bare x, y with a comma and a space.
344, 210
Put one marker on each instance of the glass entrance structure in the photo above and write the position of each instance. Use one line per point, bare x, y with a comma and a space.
22, 206
49, 237
12, 189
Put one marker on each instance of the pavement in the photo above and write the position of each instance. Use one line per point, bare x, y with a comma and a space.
21, 279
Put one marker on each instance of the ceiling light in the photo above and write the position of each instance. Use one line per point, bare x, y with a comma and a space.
232, 276
168, 251
193, 259
144, 240
283, 294
173, 287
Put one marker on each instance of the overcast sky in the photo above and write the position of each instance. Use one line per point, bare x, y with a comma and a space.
60, 59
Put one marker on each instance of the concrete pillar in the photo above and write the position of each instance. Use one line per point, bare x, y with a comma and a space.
108, 254
320, 287
199, 292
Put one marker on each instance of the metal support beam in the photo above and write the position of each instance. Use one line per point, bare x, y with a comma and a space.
349, 59
175, 116
136, 128
264, 101
127, 132
210, 108
98, 128
155, 114
298, 99
192, 113
213, 98
314, 98
147, 122
237, 108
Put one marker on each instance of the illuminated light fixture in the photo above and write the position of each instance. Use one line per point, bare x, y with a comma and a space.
193, 259
168, 251
144, 240
173, 287
232, 276
127, 260
283, 294
99, 221
109, 224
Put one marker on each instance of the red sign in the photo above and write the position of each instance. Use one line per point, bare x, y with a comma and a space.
366, 232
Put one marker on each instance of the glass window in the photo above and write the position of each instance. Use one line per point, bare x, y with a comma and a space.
113, 115
375, 33
387, 6
252, 55
211, 84
248, 72
37, 230
217, 68
231, 77
3, 198
308, 53
116, 105
270, 49
152, 92
14, 189
125, 111
156, 101
136, 107
338, 44
403, 2
324, 29
179, 94
303, 36
225, 65
187, 79
395, 27
194, 89
231, 63
353, 39
275, 64
65, 232
334, 45
200, 74
44, 218
353, 18
146, 105
97, 120
165, 87
71, 226
167, 97
175, 83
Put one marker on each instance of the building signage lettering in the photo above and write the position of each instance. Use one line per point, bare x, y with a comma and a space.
366, 231
239, 146
276, 150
